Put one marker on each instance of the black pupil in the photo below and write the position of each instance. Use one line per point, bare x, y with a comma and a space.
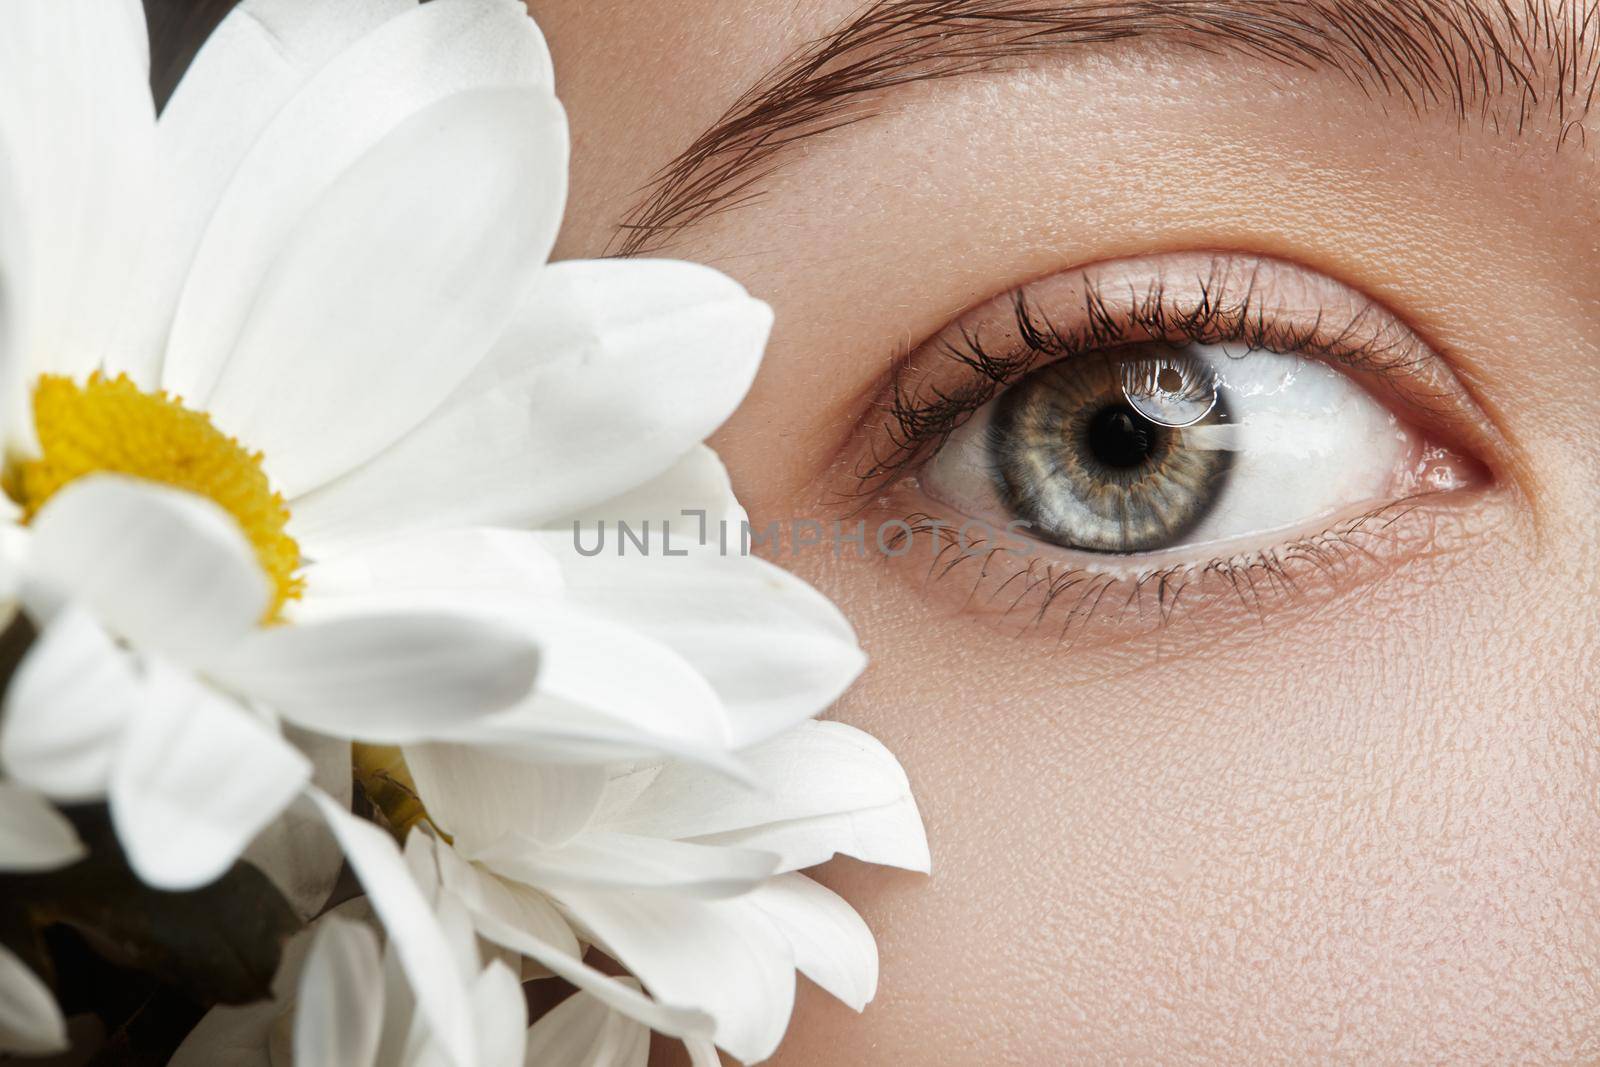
1121, 438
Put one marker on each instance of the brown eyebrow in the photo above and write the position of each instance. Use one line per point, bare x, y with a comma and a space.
1508, 62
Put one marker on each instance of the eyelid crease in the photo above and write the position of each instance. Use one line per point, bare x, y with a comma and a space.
1206, 298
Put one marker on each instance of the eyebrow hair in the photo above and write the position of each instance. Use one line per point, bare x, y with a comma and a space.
1508, 62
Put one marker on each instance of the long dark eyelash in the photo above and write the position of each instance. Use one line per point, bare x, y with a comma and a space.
920, 419
917, 420
1073, 599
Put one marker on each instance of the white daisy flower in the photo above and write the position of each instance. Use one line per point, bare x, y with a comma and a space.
306, 311
209, 319
262, 361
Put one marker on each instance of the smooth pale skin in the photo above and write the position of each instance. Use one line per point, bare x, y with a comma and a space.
1362, 825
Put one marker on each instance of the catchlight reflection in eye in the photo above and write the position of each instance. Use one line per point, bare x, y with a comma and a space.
1154, 447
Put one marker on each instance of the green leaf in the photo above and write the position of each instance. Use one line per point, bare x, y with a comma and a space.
220, 944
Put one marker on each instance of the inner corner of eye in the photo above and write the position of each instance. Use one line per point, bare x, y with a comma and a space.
1155, 447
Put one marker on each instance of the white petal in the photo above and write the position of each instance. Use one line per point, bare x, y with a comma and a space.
607, 693
826, 788
456, 922
360, 326
447, 566
65, 709
395, 287
231, 1037
624, 861
722, 956
624, 997
296, 850
604, 693
611, 372
16, 422
408, 64
30, 1022
14, 539
776, 651
502, 1016
891, 835
244, 1036
421, 862
582, 1031
414, 935
77, 134
405, 1030
34, 836
340, 1004
702, 1053
477, 796
195, 778
694, 494
483, 893
253, 64
522, 920
388, 679
832, 945
167, 570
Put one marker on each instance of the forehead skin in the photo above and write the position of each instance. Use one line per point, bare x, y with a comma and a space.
1363, 829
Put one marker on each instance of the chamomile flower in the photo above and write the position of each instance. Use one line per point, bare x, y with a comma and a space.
304, 312
212, 317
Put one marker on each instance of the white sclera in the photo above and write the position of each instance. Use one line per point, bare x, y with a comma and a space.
1309, 443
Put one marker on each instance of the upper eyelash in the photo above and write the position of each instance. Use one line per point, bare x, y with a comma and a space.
917, 423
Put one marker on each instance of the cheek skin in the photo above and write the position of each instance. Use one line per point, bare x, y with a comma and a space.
1384, 853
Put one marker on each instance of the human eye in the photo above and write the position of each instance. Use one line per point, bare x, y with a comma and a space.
1151, 430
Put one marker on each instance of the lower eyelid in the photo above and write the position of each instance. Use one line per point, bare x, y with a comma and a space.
1064, 603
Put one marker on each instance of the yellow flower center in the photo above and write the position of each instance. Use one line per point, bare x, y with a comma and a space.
111, 426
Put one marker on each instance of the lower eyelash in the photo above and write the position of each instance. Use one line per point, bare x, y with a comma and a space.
1075, 599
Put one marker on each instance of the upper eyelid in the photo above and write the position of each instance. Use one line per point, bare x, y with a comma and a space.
1206, 296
